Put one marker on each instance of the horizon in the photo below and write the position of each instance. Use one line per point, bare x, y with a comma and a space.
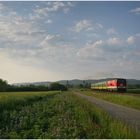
69, 80
50, 41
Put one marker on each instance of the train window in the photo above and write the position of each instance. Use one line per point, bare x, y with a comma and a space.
121, 82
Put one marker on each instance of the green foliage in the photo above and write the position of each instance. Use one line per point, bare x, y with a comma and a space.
57, 86
85, 85
122, 99
53, 115
135, 90
27, 88
3, 85
53, 86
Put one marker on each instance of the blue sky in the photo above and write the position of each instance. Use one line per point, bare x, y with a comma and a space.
49, 41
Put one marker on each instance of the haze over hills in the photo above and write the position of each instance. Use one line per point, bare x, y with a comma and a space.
78, 81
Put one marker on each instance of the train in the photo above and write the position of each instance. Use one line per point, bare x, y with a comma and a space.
116, 85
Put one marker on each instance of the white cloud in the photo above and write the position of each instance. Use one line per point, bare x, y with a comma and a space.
67, 7
54, 48
2, 7
60, 5
111, 48
111, 31
97, 43
130, 40
41, 11
50, 41
99, 26
23, 39
107, 55
56, 6
49, 21
87, 25
134, 39
91, 50
83, 25
17, 29
51, 7
114, 41
136, 11
101, 49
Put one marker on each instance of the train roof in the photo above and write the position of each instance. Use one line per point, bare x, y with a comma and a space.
101, 82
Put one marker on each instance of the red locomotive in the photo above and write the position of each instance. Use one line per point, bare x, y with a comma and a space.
117, 84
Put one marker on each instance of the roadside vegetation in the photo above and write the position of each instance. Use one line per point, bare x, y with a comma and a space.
135, 90
122, 99
56, 115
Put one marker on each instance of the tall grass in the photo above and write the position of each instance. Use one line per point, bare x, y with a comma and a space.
57, 115
15, 99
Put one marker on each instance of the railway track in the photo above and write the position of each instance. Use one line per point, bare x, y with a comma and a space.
131, 94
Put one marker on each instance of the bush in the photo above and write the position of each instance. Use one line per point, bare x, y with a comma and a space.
57, 86
3, 85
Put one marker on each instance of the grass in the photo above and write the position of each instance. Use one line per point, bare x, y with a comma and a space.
136, 91
56, 115
122, 99
11, 100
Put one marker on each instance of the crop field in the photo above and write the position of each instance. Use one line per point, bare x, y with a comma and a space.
56, 115
122, 99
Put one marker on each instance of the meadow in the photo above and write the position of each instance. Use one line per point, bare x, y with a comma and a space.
136, 90
122, 99
57, 115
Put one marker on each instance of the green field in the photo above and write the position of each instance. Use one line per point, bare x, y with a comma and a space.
122, 99
56, 115
136, 91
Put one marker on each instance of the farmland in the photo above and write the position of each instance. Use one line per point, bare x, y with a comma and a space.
56, 115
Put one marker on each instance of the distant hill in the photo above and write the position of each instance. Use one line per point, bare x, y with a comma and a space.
133, 82
78, 81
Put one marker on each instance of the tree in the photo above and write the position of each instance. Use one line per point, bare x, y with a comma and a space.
81, 86
67, 84
3, 85
57, 86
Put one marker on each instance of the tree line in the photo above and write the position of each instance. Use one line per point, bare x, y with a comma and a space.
5, 87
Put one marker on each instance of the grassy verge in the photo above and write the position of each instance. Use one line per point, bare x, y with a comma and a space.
136, 91
55, 115
122, 99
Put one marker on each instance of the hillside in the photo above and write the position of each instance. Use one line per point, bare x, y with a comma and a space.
78, 81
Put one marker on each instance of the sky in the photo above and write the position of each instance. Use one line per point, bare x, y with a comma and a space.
50, 41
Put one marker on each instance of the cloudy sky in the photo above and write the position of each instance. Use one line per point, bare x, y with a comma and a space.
48, 41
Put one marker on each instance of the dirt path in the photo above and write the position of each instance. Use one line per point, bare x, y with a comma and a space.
128, 115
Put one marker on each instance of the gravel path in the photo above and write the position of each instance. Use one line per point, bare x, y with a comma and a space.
128, 115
